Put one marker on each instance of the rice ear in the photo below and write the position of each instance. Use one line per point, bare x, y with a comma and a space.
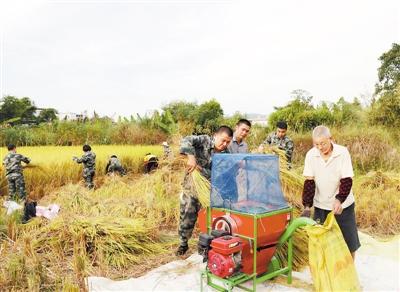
202, 187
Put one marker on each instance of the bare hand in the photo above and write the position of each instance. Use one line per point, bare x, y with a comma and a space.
261, 148
191, 163
337, 207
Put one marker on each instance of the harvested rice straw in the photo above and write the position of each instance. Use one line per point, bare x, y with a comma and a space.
300, 250
292, 182
202, 188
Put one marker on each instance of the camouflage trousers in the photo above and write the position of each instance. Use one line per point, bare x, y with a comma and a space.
189, 208
16, 184
114, 168
88, 175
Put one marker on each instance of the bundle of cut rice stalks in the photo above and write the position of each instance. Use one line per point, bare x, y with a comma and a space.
45, 255
292, 182
202, 187
103, 240
108, 232
300, 250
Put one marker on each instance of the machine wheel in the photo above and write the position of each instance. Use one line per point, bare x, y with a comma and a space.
222, 223
226, 223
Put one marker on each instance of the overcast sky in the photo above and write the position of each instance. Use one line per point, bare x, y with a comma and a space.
126, 57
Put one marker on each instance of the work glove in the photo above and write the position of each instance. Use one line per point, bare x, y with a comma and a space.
306, 213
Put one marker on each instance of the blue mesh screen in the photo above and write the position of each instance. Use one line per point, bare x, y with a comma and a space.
247, 183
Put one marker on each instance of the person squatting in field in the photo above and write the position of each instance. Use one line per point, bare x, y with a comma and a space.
89, 165
150, 163
199, 151
15, 177
328, 185
115, 166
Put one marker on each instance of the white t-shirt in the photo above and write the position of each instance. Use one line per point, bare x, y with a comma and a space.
327, 175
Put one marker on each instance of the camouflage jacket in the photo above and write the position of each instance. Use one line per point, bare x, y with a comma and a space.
202, 147
113, 164
12, 163
88, 159
284, 143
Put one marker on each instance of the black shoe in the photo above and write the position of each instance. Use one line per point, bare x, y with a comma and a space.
182, 249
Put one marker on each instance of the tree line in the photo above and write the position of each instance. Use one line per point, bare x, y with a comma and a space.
183, 118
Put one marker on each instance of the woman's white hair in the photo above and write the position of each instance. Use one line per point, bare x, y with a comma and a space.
321, 132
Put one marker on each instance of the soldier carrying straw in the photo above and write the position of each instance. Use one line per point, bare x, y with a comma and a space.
199, 150
281, 140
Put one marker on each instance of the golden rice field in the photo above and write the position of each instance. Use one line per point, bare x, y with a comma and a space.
128, 225
52, 166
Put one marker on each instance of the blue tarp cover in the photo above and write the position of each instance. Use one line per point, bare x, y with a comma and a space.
247, 183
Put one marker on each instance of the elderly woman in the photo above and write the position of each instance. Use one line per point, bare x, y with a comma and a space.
328, 185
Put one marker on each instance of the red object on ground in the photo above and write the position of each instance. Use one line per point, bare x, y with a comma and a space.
221, 260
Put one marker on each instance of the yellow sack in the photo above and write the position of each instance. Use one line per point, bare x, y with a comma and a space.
331, 264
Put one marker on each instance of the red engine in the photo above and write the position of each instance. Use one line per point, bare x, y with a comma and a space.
224, 258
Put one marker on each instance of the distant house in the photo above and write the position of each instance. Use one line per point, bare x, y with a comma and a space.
261, 122
257, 119
37, 112
72, 116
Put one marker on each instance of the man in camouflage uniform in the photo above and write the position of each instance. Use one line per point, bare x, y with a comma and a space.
14, 175
199, 150
282, 141
115, 166
89, 165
